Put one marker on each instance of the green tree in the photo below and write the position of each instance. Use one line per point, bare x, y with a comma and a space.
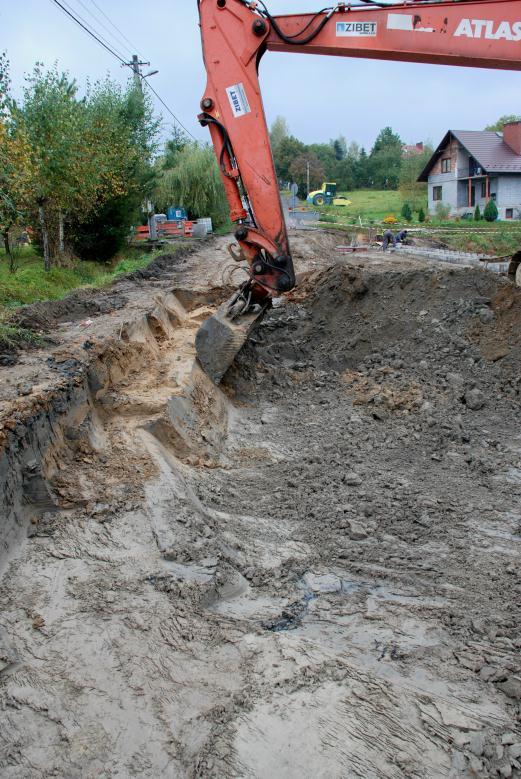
353, 151
85, 154
299, 168
490, 212
387, 139
406, 212
52, 120
421, 214
279, 131
345, 174
477, 214
194, 183
502, 121
173, 146
16, 172
362, 171
385, 160
287, 151
122, 121
340, 147
326, 154
412, 190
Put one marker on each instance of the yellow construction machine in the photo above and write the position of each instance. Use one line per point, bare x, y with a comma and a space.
327, 196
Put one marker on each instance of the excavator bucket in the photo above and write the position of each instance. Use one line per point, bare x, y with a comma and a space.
220, 338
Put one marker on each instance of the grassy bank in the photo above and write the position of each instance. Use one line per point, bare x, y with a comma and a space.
369, 204
30, 283
502, 240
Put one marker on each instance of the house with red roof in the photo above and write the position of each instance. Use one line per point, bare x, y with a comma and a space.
470, 167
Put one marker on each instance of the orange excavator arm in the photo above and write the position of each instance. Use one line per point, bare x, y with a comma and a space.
236, 34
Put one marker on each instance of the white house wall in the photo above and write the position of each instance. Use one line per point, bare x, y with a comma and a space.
449, 193
509, 195
455, 193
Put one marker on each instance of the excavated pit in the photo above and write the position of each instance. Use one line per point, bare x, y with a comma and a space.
313, 570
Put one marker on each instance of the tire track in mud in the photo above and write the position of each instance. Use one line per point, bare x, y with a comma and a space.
338, 488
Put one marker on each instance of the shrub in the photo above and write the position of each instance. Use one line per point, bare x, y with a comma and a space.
477, 214
406, 212
490, 213
421, 215
442, 211
106, 231
390, 219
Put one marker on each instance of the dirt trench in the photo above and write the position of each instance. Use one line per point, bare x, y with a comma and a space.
312, 571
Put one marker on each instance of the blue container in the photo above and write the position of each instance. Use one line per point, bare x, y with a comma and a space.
175, 212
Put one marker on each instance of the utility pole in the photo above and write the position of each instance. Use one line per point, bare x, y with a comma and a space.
136, 67
307, 170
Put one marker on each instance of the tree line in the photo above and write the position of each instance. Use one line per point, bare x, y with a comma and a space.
349, 165
76, 170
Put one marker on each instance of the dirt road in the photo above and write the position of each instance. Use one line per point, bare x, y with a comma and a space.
313, 571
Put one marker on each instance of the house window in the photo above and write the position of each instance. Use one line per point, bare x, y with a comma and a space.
483, 189
437, 193
509, 213
475, 168
445, 165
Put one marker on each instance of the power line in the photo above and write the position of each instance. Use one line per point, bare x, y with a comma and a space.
168, 108
121, 34
100, 23
93, 35
93, 29
122, 61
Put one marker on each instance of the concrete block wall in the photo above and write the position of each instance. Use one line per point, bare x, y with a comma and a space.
449, 193
453, 257
509, 195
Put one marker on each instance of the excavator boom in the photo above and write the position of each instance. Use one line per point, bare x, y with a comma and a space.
237, 33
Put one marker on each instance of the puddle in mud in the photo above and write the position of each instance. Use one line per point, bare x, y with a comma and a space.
507, 528
291, 618
316, 585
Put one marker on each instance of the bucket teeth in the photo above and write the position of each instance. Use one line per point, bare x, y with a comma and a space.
219, 340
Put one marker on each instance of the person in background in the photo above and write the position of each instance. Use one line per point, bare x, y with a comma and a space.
387, 239
400, 237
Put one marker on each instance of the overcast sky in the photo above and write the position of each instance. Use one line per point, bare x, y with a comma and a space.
321, 97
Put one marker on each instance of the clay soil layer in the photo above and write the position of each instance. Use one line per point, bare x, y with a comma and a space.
313, 570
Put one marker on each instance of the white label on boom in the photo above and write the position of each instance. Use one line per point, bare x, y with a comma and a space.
406, 22
238, 100
361, 29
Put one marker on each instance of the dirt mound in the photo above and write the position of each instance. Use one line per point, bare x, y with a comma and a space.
459, 317
163, 263
76, 306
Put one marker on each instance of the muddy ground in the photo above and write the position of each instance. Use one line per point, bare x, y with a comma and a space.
313, 571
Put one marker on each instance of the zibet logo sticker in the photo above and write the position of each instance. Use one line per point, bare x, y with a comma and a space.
361, 29
238, 100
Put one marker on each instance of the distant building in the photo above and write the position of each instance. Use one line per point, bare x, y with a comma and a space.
470, 167
412, 149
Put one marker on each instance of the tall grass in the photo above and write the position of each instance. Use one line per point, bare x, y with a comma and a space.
30, 283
